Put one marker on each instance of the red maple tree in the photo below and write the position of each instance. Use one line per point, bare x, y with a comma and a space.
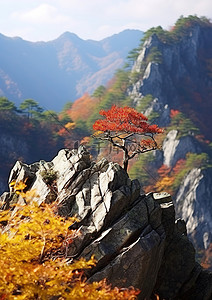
128, 130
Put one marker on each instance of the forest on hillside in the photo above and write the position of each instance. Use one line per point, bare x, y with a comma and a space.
45, 131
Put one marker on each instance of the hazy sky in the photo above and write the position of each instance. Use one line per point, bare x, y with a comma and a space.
38, 20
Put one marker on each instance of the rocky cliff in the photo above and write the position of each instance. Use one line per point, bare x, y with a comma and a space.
134, 237
175, 70
177, 73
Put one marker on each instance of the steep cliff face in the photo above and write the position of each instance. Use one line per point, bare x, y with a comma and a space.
134, 237
181, 78
175, 148
178, 76
194, 205
193, 198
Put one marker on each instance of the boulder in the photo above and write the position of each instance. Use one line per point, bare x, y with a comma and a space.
133, 236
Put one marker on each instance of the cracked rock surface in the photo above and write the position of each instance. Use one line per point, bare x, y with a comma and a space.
133, 237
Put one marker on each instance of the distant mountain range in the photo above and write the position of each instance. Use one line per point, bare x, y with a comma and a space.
55, 72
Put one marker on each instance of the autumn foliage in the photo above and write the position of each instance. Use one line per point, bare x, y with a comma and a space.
174, 112
125, 119
33, 248
82, 108
128, 130
170, 178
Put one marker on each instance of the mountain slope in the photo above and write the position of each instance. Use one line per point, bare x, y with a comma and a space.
59, 71
175, 69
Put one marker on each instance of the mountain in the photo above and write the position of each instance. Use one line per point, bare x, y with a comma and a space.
174, 88
61, 70
177, 71
171, 83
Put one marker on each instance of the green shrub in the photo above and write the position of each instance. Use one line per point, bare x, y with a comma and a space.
49, 176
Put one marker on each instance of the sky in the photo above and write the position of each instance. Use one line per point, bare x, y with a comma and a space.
38, 20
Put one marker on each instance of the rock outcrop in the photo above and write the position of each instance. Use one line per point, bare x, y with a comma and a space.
179, 80
177, 59
134, 237
175, 148
193, 198
193, 204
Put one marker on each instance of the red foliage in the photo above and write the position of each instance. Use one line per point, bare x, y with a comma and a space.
123, 128
206, 262
179, 166
125, 119
164, 171
173, 113
166, 178
62, 132
147, 143
202, 139
82, 108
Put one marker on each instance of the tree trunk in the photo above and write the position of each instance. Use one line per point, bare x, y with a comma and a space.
125, 157
125, 164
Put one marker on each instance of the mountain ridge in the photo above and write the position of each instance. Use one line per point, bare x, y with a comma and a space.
59, 69
182, 79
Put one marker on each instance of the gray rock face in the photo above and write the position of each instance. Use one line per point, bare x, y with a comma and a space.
181, 70
179, 60
179, 77
133, 237
193, 198
156, 78
169, 148
193, 204
175, 148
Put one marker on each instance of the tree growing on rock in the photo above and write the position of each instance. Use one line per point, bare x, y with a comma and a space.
128, 130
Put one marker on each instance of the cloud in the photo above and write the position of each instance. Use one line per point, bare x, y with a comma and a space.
93, 19
150, 13
108, 16
43, 13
